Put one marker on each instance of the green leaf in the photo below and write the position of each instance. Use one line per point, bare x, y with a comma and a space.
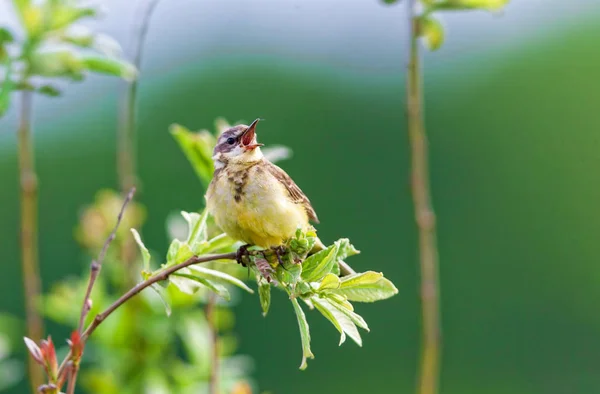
197, 147
330, 281
340, 299
21, 5
327, 311
340, 320
462, 5
163, 297
432, 31
345, 249
58, 63
366, 287
356, 319
82, 37
143, 250
304, 333
264, 293
219, 276
184, 282
110, 66
289, 273
197, 227
178, 252
6, 36
173, 250
219, 242
48, 90
32, 17
65, 15
319, 264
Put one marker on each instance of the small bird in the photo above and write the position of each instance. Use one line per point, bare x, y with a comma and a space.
252, 199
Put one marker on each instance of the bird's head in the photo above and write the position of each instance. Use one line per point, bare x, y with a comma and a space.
237, 145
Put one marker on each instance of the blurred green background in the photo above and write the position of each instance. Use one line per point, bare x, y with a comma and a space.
514, 152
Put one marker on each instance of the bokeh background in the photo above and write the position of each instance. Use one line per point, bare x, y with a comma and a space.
513, 115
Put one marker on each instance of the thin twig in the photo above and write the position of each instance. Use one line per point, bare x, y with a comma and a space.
425, 217
158, 277
29, 232
213, 382
96, 265
72, 380
95, 268
127, 128
345, 269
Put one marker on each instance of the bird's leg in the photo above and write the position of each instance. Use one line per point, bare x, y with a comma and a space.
241, 252
280, 252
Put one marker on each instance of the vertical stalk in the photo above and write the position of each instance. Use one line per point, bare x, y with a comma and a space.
126, 139
29, 233
424, 216
213, 382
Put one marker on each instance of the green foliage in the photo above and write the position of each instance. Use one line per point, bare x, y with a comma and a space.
144, 356
365, 287
431, 30
152, 351
55, 46
313, 278
462, 5
197, 147
304, 333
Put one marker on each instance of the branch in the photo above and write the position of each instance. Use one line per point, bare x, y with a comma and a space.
29, 232
158, 277
95, 268
424, 215
345, 269
72, 380
96, 265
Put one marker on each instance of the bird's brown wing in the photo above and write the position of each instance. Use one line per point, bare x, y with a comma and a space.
296, 195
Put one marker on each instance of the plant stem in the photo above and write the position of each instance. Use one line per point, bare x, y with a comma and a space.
127, 156
72, 381
158, 277
425, 217
96, 265
29, 232
214, 339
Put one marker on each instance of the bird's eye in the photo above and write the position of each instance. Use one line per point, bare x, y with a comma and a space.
231, 140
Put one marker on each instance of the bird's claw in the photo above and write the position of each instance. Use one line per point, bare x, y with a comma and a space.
241, 253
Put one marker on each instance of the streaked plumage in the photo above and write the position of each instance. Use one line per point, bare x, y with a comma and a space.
252, 199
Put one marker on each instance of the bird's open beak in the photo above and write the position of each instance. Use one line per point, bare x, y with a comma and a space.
249, 137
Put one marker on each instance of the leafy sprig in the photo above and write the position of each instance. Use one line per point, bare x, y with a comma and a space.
52, 46
430, 28
301, 271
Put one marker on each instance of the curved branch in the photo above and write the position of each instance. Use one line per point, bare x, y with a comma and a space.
158, 277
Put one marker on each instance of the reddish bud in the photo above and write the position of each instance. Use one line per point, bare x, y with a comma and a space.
76, 345
49, 356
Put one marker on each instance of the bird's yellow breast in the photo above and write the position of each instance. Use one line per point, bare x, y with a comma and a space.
251, 205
